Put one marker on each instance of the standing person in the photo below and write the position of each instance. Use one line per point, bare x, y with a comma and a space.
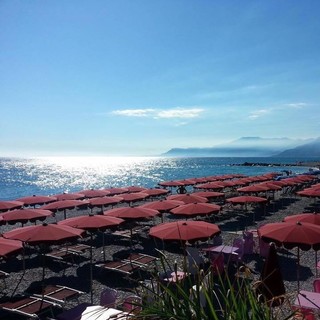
181, 190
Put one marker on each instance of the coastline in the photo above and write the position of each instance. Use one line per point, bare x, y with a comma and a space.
230, 221
310, 164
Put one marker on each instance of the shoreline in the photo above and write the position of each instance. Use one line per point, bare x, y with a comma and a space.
311, 164
230, 220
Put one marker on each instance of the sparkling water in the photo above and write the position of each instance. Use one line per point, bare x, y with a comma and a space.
46, 176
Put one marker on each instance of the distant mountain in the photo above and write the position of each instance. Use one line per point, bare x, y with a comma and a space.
243, 147
311, 149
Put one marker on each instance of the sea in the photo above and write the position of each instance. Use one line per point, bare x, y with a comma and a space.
21, 177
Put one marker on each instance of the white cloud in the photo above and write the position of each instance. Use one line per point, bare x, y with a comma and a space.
258, 114
134, 112
297, 105
180, 113
174, 113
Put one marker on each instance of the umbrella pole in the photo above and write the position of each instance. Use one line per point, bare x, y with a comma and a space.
316, 258
298, 269
91, 275
103, 246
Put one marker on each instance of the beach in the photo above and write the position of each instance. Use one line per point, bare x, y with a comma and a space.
76, 275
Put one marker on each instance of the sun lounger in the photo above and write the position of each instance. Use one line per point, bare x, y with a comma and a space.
3, 274
122, 266
141, 259
30, 307
77, 248
59, 294
128, 233
125, 233
66, 254
61, 255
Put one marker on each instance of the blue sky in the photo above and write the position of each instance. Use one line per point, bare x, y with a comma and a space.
139, 77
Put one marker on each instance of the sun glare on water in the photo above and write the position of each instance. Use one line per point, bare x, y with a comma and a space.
95, 162
94, 172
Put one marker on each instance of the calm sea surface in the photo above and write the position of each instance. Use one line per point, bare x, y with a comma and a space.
46, 176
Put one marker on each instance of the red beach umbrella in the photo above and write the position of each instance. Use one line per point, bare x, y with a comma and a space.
104, 201
136, 196
44, 234
156, 192
34, 200
211, 186
270, 185
312, 193
136, 189
290, 235
195, 209
253, 188
92, 223
184, 231
9, 247
313, 218
246, 199
25, 215
187, 182
114, 191
200, 180
9, 205
187, 198
163, 205
170, 183
132, 213
69, 196
65, 205
92, 193
209, 194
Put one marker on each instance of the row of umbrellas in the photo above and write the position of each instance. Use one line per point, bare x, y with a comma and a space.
73, 228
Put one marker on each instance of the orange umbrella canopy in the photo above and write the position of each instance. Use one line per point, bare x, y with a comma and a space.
9, 205
44, 234
92, 222
102, 201
94, 193
135, 196
34, 200
246, 199
156, 192
25, 215
290, 234
132, 213
313, 218
312, 193
254, 188
163, 205
187, 198
185, 230
8, 247
209, 194
69, 196
195, 209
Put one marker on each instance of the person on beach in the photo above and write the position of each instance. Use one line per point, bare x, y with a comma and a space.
181, 190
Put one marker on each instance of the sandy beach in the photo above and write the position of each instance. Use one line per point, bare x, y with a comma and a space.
77, 274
